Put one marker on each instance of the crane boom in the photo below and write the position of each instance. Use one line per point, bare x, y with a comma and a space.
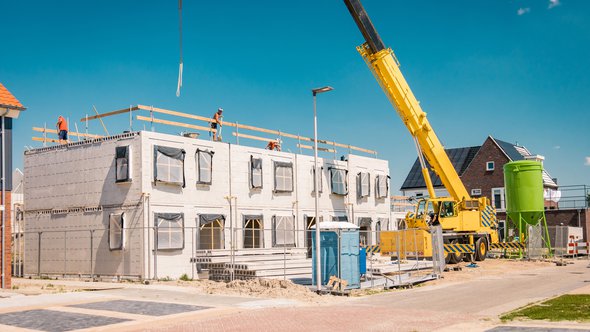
385, 67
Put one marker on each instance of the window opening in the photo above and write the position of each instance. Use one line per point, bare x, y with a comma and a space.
338, 177
283, 231
255, 172
382, 186
364, 184
169, 165
117, 231
365, 231
309, 222
320, 180
204, 166
283, 176
490, 166
169, 230
211, 235
253, 232
122, 164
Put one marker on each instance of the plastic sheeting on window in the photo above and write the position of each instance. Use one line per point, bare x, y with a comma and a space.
211, 235
339, 218
283, 231
169, 231
338, 180
320, 181
255, 172
169, 165
363, 184
204, 166
382, 186
122, 164
117, 231
283, 176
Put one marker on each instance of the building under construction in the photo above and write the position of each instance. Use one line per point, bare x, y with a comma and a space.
145, 204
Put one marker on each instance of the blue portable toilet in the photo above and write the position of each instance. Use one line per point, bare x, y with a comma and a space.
337, 237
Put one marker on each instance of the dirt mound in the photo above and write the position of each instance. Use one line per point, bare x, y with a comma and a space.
268, 288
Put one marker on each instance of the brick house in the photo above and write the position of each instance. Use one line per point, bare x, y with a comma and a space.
10, 108
481, 170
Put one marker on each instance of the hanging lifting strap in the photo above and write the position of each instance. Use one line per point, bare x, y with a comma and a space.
180, 38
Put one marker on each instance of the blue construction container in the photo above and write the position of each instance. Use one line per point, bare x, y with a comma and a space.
339, 247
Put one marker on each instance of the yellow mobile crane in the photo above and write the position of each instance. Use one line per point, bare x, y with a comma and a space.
469, 224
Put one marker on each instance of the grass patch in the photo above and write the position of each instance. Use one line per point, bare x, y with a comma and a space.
184, 277
563, 308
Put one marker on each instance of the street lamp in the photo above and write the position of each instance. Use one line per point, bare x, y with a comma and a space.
318, 274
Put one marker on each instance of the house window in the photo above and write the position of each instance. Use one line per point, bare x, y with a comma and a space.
382, 186
253, 232
204, 166
255, 172
498, 198
338, 179
475, 192
169, 165
122, 164
320, 180
364, 184
283, 231
490, 166
211, 231
283, 176
169, 231
116, 231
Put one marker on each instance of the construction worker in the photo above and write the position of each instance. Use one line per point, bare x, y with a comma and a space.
217, 123
274, 145
62, 128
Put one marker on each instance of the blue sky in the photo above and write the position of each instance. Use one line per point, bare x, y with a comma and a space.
514, 69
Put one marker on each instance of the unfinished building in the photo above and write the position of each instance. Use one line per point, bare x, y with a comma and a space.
145, 204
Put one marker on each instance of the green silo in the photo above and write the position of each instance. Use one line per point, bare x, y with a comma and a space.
523, 182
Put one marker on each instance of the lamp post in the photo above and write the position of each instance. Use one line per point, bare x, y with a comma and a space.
318, 274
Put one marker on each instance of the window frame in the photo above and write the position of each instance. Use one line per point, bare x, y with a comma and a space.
199, 168
275, 222
252, 168
120, 233
249, 218
124, 153
173, 154
492, 167
282, 164
170, 218
502, 192
344, 172
211, 218
360, 184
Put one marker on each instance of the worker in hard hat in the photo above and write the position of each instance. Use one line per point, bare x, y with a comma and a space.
216, 124
62, 130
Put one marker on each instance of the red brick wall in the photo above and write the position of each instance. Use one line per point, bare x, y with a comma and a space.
8, 240
476, 176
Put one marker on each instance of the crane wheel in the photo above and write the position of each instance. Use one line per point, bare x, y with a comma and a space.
455, 258
481, 249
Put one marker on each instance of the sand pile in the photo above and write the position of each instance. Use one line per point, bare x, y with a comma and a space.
268, 288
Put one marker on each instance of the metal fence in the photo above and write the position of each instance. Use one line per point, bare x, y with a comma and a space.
241, 253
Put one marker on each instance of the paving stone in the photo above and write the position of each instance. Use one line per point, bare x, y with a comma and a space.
141, 307
55, 321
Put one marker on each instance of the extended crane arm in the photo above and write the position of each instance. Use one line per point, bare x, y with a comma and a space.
385, 67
